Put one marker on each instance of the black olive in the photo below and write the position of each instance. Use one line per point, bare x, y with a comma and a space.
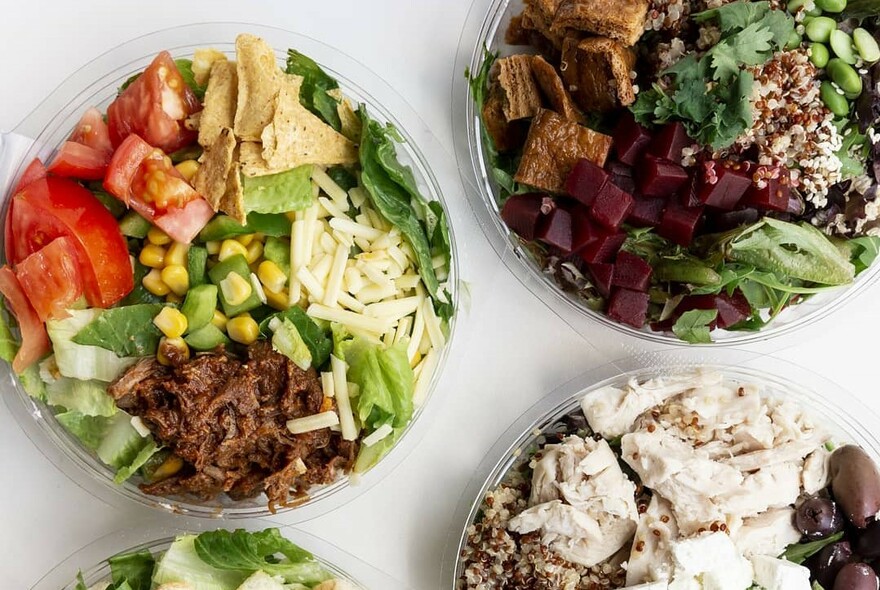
856, 576
825, 564
817, 518
867, 543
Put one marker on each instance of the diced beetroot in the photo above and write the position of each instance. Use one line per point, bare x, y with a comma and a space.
669, 142
631, 272
731, 309
583, 230
723, 184
622, 176
555, 230
601, 275
646, 212
611, 206
628, 307
689, 194
630, 140
771, 189
680, 224
585, 181
522, 213
604, 248
659, 178
719, 221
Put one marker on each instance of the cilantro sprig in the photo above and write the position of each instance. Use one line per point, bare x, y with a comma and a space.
710, 93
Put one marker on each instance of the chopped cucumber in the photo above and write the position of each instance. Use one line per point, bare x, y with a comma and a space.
207, 337
134, 226
181, 563
199, 306
237, 264
196, 265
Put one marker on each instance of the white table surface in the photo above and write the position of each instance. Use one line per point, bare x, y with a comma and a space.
516, 349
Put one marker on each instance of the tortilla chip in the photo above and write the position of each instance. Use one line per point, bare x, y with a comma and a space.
211, 179
258, 83
202, 62
219, 106
233, 200
351, 122
296, 136
251, 158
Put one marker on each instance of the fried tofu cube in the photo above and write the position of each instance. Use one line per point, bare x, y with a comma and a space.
538, 16
506, 135
520, 94
553, 88
553, 147
597, 70
621, 20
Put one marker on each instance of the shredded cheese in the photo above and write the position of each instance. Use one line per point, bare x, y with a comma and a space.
432, 324
327, 384
426, 372
394, 309
418, 329
343, 403
349, 318
332, 208
377, 435
329, 186
312, 423
356, 229
403, 327
334, 281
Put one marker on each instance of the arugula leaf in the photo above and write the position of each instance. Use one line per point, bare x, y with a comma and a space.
244, 551
864, 252
127, 331
799, 552
693, 325
136, 569
314, 94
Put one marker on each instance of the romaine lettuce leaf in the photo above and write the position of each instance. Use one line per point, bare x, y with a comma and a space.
128, 331
89, 430
266, 551
139, 460
181, 563
89, 398
80, 361
8, 343
286, 191
286, 339
369, 456
386, 383
135, 569
314, 337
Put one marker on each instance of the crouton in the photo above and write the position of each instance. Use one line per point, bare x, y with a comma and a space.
506, 135
621, 20
520, 94
597, 70
553, 88
553, 147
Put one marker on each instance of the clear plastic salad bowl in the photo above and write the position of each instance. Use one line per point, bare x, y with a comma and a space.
841, 414
484, 27
91, 560
95, 84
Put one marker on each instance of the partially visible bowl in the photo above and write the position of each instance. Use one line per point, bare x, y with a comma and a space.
841, 414
91, 560
95, 84
484, 29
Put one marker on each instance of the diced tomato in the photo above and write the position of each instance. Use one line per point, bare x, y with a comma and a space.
57, 207
87, 152
145, 179
34, 171
154, 106
51, 279
34, 339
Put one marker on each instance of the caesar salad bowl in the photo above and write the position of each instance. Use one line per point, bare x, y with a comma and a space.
559, 413
484, 33
89, 566
96, 84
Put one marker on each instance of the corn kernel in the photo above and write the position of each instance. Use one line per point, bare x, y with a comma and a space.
176, 254
235, 288
173, 298
230, 248
272, 277
188, 169
172, 350
153, 256
213, 247
157, 236
177, 279
243, 329
277, 299
171, 321
219, 319
245, 239
254, 251
153, 283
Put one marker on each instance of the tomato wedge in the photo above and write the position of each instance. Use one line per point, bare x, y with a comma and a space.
34, 171
88, 150
51, 279
154, 106
56, 207
34, 339
145, 179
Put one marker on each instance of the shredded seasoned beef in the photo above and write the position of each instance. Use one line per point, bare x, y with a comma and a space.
226, 418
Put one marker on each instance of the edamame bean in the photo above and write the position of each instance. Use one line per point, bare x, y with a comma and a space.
819, 55
819, 29
835, 102
842, 46
833, 6
845, 76
794, 41
866, 45
796, 5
